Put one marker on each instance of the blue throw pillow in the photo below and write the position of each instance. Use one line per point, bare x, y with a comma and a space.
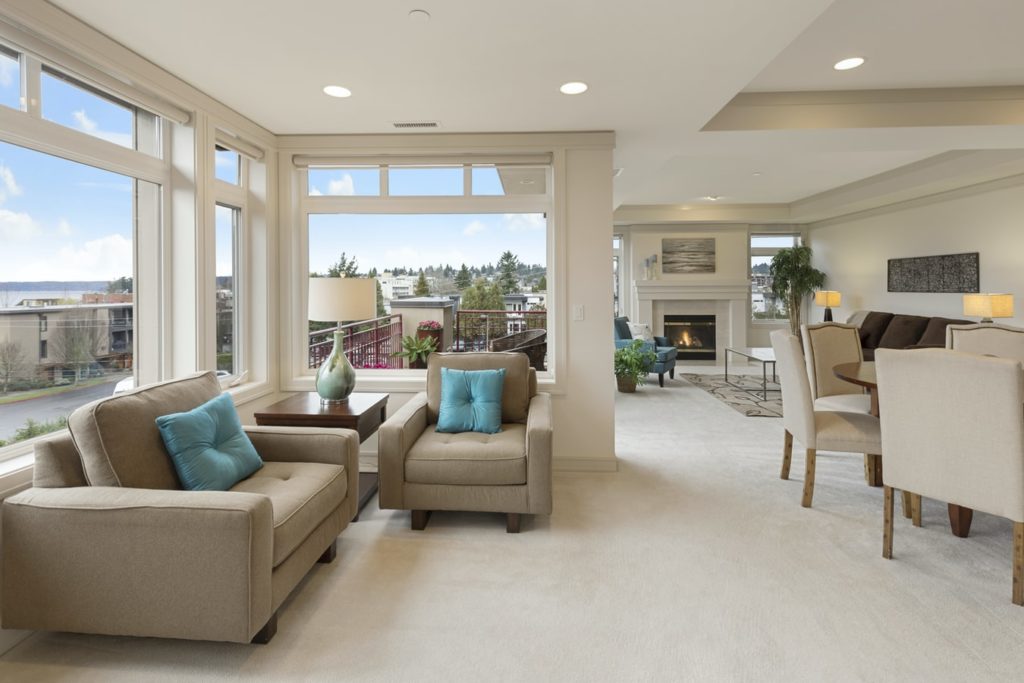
208, 447
470, 401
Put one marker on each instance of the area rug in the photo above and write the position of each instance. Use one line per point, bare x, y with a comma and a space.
736, 398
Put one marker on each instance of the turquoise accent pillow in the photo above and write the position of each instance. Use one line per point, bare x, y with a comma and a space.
470, 401
208, 447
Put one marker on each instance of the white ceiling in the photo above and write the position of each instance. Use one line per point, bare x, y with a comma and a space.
658, 71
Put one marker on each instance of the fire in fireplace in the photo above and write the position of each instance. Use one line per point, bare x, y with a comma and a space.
692, 335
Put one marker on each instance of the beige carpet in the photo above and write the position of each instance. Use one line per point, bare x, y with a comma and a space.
695, 562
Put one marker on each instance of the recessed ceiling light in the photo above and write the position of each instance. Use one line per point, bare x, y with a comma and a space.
420, 15
337, 91
712, 197
848, 63
616, 172
756, 174
527, 181
573, 88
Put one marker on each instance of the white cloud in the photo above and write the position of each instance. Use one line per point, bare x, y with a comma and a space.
474, 228
8, 185
344, 186
16, 226
523, 222
8, 68
64, 228
105, 258
87, 125
314, 191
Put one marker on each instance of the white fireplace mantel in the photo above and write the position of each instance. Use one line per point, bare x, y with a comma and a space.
672, 290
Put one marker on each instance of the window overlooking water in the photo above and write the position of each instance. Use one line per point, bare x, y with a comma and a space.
10, 78
764, 305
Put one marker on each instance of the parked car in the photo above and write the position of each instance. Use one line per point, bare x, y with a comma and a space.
128, 383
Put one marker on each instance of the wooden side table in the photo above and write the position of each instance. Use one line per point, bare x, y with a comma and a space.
362, 412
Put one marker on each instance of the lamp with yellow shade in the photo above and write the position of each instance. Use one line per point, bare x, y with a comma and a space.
828, 299
988, 306
337, 300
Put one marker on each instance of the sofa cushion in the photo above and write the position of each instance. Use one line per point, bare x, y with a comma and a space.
118, 439
515, 394
302, 494
903, 331
470, 401
209, 450
873, 327
935, 333
665, 353
469, 459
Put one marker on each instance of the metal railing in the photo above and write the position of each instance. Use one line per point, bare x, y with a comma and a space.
368, 343
474, 330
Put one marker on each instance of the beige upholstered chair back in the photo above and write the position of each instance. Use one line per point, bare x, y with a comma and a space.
520, 380
119, 441
987, 339
797, 406
826, 345
953, 428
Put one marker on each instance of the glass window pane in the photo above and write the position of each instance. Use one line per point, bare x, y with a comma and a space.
227, 165
423, 181
342, 182
73, 105
764, 305
66, 288
10, 79
769, 241
486, 181
226, 225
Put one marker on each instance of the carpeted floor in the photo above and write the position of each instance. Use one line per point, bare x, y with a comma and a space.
694, 562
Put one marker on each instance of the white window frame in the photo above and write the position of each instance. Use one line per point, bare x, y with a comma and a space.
234, 197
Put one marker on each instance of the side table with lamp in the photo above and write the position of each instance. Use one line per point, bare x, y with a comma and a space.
828, 299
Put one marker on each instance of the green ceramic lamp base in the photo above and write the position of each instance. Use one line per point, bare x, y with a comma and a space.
336, 378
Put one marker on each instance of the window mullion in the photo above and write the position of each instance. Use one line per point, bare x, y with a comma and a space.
31, 86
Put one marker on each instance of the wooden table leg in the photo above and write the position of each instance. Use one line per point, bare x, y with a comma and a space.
873, 391
960, 519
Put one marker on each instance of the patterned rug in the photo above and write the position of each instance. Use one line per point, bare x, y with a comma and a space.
738, 399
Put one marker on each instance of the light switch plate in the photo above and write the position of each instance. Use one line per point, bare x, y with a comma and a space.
577, 312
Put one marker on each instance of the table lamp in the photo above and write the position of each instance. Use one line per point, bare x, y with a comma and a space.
828, 299
988, 306
339, 299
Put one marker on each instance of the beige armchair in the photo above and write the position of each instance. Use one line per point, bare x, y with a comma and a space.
106, 541
827, 430
953, 430
509, 472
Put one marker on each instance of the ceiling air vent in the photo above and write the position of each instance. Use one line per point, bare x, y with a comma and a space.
415, 124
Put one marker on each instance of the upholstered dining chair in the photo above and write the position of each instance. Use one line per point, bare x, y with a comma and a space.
826, 345
987, 339
964, 446
827, 430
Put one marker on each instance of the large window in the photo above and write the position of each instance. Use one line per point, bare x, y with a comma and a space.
226, 222
764, 305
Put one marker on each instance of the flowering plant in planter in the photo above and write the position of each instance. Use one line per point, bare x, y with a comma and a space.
429, 325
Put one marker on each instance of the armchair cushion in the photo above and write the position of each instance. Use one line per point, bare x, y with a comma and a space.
469, 458
209, 450
302, 494
470, 401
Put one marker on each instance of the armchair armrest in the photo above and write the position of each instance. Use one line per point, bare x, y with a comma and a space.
539, 432
662, 341
312, 444
140, 562
395, 438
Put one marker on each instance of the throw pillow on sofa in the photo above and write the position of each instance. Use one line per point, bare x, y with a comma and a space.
208, 447
470, 401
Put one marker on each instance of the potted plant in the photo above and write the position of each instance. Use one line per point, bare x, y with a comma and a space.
430, 329
632, 363
793, 279
416, 351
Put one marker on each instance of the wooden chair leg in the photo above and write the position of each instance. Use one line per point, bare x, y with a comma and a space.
787, 454
887, 523
809, 478
915, 509
419, 519
1018, 563
330, 553
873, 469
960, 519
905, 499
512, 521
269, 630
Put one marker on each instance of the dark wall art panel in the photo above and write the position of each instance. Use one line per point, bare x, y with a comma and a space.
956, 273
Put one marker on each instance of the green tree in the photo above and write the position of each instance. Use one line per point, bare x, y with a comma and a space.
542, 284
463, 280
381, 311
508, 278
422, 286
120, 285
483, 296
344, 267
12, 363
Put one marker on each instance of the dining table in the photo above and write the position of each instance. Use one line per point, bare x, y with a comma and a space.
863, 374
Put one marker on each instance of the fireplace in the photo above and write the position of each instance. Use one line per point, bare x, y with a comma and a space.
693, 335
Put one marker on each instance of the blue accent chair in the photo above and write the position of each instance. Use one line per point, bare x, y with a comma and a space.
665, 353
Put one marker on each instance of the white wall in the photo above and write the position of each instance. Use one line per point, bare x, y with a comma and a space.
988, 219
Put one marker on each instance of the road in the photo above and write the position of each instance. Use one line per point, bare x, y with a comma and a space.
14, 415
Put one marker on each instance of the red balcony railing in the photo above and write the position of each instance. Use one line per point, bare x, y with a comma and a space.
474, 330
368, 343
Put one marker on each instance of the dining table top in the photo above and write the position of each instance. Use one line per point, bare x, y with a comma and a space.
861, 373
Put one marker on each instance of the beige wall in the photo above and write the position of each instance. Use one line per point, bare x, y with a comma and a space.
988, 219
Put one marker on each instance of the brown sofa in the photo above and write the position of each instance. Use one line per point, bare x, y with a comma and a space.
106, 541
880, 330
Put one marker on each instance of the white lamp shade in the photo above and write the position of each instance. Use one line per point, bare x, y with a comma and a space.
827, 298
988, 305
336, 299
